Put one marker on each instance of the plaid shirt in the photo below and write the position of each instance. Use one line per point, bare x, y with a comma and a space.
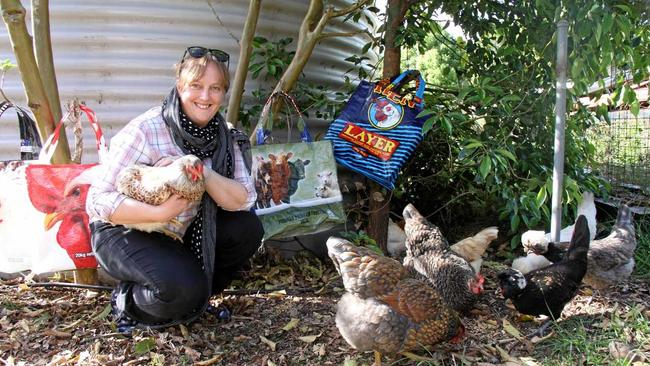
145, 140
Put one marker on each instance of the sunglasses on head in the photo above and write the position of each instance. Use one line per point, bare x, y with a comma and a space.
198, 52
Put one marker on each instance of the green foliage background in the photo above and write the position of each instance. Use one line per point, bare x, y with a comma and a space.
489, 137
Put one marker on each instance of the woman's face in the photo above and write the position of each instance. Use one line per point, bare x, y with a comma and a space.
202, 98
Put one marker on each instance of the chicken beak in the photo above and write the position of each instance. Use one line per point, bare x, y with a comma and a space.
51, 219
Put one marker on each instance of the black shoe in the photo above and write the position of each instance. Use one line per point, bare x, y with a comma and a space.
124, 323
220, 312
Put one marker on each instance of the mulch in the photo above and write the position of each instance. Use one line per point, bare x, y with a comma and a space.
283, 314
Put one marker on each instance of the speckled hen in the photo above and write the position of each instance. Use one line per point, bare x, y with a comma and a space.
385, 309
428, 253
155, 184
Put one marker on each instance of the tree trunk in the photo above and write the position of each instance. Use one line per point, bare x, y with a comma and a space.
245, 50
13, 15
379, 202
43, 50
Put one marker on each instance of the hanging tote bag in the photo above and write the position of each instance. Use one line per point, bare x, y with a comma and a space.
378, 129
44, 224
296, 183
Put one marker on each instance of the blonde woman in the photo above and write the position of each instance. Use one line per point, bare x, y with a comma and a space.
164, 282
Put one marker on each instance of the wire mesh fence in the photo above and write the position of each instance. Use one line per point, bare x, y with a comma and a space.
623, 155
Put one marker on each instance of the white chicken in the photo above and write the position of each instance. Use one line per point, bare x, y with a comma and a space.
155, 184
587, 207
537, 240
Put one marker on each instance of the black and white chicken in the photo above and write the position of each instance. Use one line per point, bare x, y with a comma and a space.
611, 259
546, 291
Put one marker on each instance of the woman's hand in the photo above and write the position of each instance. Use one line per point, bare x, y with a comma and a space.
171, 208
166, 160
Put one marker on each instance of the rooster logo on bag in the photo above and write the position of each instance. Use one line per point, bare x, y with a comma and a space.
384, 114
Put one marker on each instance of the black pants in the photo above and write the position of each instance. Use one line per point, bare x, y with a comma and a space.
165, 281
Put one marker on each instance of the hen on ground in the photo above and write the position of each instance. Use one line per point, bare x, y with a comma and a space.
155, 184
546, 291
610, 259
428, 253
536, 242
384, 309
587, 208
472, 248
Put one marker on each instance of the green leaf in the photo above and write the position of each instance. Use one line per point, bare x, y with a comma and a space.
425, 112
514, 223
511, 97
144, 346
635, 107
428, 125
541, 196
447, 125
473, 144
486, 166
507, 154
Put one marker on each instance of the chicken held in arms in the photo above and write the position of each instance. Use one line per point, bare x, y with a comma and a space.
155, 184
384, 309
546, 291
428, 253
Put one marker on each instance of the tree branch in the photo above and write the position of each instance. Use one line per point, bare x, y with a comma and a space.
349, 9
342, 34
245, 50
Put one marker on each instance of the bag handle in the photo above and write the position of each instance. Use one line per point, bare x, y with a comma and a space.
50, 144
264, 127
403, 79
30, 141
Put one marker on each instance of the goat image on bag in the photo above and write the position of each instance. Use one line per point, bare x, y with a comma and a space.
379, 128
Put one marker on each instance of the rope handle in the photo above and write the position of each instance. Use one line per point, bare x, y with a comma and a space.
264, 127
50, 144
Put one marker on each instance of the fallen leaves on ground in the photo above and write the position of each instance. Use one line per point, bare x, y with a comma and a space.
283, 314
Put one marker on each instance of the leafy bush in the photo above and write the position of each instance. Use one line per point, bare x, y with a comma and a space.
490, 130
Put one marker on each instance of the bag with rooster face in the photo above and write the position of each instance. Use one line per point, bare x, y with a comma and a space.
43, 221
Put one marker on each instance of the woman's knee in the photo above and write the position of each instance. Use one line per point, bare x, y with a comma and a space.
175, 297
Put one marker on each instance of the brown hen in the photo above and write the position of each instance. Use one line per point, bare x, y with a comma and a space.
384, 309
155, 184
428, 253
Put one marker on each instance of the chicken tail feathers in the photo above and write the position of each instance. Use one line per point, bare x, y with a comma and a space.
580, 240
624, 216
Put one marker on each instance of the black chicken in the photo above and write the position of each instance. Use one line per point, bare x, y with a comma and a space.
547, 290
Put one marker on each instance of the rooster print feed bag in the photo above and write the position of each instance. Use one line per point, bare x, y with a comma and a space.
43, 219
379, 128
296, 183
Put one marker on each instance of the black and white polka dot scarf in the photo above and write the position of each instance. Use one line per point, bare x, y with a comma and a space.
213, 141
209, 132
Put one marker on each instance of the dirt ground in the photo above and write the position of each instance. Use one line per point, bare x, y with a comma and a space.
283, 314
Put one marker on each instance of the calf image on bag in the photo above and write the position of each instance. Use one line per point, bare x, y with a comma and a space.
280, 174
262, 176
297, 168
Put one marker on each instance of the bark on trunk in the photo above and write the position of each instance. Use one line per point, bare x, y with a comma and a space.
379, 200
13, 14
245, 50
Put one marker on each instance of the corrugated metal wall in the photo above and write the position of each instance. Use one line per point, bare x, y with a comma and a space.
118, 55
